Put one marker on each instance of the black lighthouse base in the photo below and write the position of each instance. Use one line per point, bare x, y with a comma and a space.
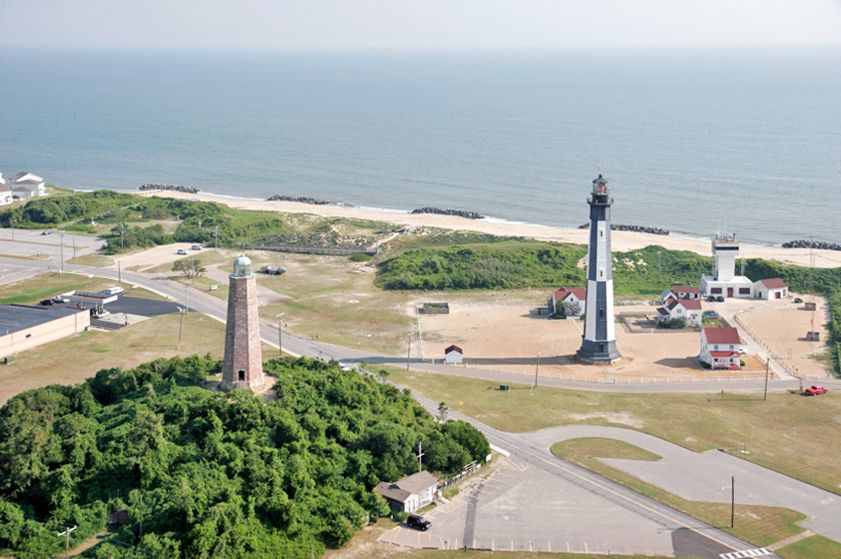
598, 352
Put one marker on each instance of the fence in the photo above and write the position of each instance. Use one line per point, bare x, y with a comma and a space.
327, 251
789, 368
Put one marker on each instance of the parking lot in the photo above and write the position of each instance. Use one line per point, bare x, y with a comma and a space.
128, 310
523, 508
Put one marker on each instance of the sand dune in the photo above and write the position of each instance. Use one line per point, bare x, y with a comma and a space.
622, 240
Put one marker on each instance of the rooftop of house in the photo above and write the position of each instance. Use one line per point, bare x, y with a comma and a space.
564, 292
403, 488
686, 289
723, 336
773, 283
453, 348
690, 304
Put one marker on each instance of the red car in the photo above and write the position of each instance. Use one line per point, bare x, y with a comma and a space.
815, 390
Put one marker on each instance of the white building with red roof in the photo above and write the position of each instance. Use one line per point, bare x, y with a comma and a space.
687, 292
721, 348
771, 288
570, 300
686, 309
453, 355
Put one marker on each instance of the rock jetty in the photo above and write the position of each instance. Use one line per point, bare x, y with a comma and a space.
175, 187
801, 243
634, 228
300, 199
440, 211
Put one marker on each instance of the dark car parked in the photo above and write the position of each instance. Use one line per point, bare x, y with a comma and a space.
418, 522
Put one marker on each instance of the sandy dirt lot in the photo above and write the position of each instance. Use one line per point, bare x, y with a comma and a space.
781, 326
509, 338
143, 260
621, 240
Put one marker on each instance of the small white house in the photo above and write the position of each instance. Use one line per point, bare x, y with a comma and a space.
721, 348
27, 185
687, 292
410, 493
571, 300
687, 309
453, 355
771, 288
5, 193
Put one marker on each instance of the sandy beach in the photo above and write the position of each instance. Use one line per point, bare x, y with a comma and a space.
622, 240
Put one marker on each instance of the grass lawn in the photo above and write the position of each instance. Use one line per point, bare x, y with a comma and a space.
73, 359
757, 524
35, 289
788, 433
100, 260
813, 547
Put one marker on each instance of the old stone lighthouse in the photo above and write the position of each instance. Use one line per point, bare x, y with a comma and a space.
243, 359
598, 343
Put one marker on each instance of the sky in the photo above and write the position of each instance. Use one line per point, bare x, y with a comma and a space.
420, 24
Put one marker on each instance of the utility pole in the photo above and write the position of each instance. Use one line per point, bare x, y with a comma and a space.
280, 333
732, 501
409, 352
12, 223
61, 253
66, 536
420, 456
659, 266
183, 313
536, 370
767, 366
74, 248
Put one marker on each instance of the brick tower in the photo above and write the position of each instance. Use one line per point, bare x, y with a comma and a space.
598, 343
243, 360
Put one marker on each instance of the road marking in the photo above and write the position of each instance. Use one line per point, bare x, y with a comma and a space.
756, 552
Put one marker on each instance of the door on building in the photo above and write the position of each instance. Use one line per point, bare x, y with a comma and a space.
778, 295
729, 291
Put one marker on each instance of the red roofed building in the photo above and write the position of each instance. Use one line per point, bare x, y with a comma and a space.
571, 301
687, 309
453, 355
687, 292
721, 348
771, 288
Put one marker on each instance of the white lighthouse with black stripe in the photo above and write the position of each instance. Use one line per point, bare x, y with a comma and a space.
598, 344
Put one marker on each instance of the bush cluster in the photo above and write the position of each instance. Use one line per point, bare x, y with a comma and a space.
211, 474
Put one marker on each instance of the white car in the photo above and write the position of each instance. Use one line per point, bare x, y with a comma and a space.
111, 291
181, 252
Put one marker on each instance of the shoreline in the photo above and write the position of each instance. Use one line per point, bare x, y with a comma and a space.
621, 240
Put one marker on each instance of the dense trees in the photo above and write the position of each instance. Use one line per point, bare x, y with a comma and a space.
184, 471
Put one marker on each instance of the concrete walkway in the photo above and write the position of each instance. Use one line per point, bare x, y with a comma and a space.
706, 476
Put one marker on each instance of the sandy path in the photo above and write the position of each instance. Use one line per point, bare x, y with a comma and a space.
622, 240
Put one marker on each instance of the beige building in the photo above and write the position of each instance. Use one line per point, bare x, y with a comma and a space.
410, 493
24, 327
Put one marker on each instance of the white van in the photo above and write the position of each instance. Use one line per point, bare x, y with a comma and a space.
111, 291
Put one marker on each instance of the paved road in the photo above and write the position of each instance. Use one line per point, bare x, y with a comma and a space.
711, 472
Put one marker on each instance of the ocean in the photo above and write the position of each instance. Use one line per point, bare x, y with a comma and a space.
691, 141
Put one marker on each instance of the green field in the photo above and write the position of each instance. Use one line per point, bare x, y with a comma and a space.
74, 359
759, 525
787, 433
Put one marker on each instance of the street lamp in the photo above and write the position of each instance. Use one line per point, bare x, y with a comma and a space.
280, 333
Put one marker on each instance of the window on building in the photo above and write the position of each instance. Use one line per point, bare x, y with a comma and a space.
601, 313
715, 290
241, 375
744, 291
29, 335
601, 273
